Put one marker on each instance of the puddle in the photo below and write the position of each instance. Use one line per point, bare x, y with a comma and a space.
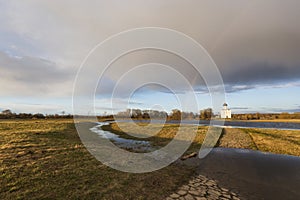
128, 144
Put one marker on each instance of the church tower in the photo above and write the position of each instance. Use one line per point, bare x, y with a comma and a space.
225, 112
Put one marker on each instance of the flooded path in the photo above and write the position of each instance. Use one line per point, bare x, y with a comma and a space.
252, 174
247, 173
134, 145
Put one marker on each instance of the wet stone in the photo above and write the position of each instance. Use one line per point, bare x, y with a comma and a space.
223, 198
214, 192
174, 195
197, 184
212, 197
184, 187
189, 197
226, 196
234, 194
182, 192
195, 192
201, 188
200, 198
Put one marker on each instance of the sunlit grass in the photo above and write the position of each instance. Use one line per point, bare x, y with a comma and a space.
163, 133
276, 141
44, 159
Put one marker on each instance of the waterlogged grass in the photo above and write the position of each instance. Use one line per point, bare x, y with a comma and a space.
267, 140
44, 159
159, 135
276, 141
231, 138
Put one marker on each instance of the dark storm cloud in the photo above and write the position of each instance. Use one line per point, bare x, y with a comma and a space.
30, 75
260, 73
252, 42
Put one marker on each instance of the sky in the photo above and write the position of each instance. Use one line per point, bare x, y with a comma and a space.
254, 43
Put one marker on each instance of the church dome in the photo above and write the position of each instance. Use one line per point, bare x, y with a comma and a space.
225, 104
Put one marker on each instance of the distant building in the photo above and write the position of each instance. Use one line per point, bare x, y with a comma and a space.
225, 112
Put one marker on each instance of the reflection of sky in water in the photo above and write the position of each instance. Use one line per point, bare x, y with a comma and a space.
137, 145
142, 146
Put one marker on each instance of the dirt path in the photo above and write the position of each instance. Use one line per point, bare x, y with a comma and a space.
236, 138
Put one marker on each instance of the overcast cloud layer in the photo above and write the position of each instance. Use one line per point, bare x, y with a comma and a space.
42, 43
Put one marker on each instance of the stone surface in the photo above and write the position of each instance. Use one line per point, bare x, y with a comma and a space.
182, 192
195, 192
200, 198
201, 188
189, 197
174, 196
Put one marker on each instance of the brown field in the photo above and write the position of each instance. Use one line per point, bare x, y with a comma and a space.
276, 141
278, 120
268, 120
44, 159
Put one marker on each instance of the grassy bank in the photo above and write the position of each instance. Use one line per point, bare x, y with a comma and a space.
44, 159
164, 133
276, 141
267, 140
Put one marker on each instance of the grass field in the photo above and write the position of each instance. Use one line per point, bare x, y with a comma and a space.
276, 120
264, 120
44, 159
165, 133
276, 141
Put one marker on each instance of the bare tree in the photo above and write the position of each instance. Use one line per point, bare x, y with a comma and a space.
7, 112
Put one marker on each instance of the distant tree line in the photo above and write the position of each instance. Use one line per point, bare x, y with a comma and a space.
266, 116
142, 114
8, 114
174, 115
205, 114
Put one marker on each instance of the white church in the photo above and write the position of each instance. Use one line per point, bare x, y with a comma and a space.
225, 112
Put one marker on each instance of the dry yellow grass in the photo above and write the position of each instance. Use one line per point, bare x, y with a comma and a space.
44, 159
276, 120
164, 133
276, 141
